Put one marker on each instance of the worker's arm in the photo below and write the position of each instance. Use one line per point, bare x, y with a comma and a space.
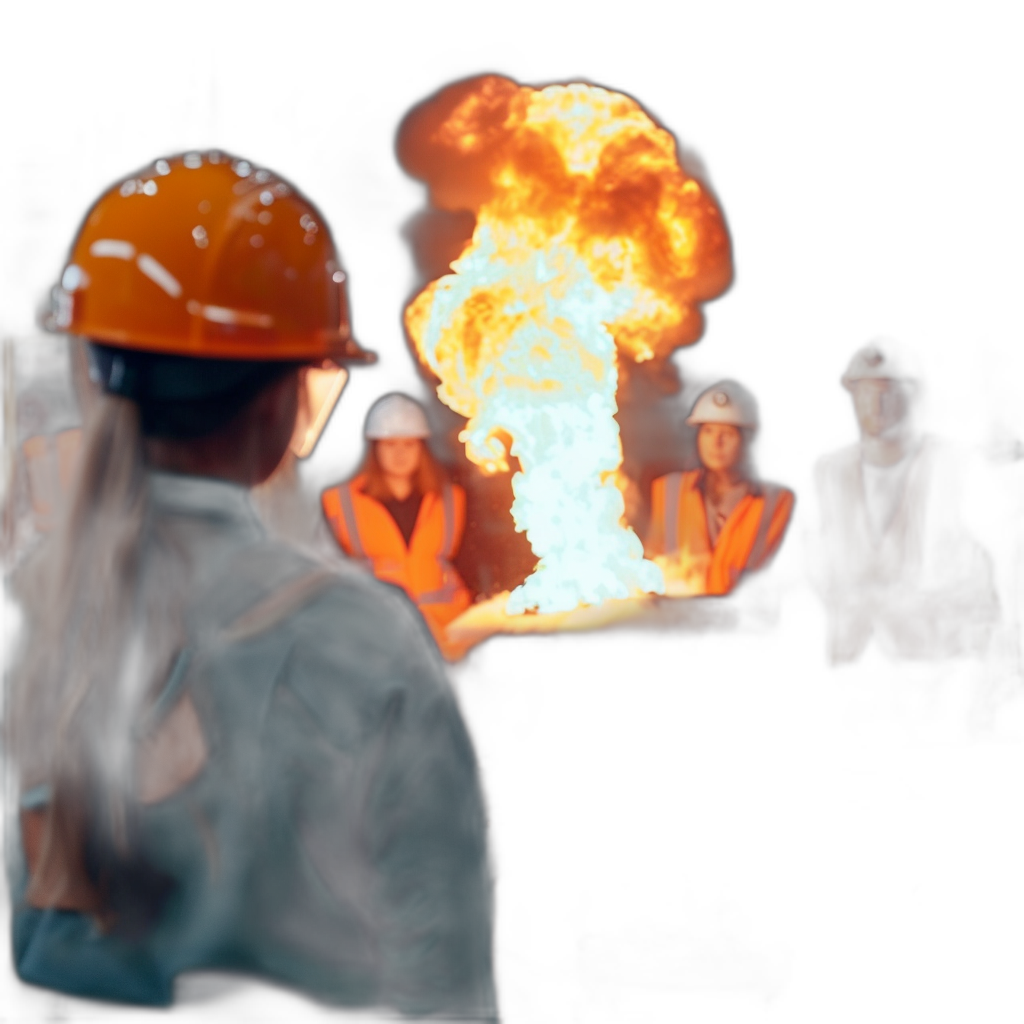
403, 809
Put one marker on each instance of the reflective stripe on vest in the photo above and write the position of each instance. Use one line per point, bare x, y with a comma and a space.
348, 513
442, 594
447, 591
673, 487
448, 502
772, 495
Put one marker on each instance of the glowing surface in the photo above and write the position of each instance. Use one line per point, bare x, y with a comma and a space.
488, 618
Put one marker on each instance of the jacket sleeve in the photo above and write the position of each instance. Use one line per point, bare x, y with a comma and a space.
429, 886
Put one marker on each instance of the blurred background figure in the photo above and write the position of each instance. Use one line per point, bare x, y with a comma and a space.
226, 755
401, 516
46, 390
905, 526
711, 525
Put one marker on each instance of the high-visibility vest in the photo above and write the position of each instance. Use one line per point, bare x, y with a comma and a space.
748, 538
367, 532
915, 588
50, 462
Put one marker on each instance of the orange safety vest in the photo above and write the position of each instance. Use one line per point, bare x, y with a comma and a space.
915, 589
748, 539
367, 532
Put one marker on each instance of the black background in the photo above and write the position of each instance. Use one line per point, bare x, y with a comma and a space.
864, 167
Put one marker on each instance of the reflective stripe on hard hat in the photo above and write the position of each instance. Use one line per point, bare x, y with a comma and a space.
725, 402
396, 415
205, 255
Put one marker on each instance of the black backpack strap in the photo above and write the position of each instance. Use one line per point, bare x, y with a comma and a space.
255, 591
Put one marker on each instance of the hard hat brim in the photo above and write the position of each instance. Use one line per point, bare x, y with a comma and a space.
381, 435
698, 421
848, 380
338, 346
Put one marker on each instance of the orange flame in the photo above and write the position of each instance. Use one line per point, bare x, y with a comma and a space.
590, 240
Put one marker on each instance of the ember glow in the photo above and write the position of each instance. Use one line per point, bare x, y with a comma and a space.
591, 243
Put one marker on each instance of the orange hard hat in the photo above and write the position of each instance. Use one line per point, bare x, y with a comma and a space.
206, 255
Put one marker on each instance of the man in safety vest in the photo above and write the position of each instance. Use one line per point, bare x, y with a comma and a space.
711, 525
893, 555
401, 517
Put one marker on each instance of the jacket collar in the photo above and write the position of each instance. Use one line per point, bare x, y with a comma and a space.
204, 498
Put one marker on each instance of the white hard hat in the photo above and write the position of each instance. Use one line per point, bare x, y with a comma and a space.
396, 415
725, 402
881, 359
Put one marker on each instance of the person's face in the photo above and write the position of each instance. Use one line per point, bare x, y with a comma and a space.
880, 405
719, 446
399, 456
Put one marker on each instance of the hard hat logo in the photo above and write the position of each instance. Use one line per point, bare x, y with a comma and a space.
205, 255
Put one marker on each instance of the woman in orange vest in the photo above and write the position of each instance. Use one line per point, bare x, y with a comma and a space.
401, 517
711, 525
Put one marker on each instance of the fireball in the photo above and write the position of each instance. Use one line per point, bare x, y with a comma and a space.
591, 244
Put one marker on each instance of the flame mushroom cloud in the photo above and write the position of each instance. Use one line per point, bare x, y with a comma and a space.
591, 244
